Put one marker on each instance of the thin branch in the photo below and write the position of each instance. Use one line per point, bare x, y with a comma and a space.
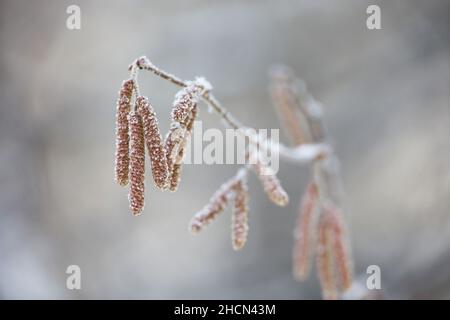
295, 155
144, 63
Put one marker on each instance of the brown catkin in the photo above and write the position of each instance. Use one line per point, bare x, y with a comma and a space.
137, 163
304, 232
217, 203
239, 220
185, 100
175, 174
122, 136
172, 143
154, 142
284, 99
325, 263
340, 251
270, 183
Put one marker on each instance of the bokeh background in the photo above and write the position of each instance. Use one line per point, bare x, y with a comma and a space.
386, 95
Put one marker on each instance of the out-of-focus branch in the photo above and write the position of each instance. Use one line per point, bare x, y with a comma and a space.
302, 117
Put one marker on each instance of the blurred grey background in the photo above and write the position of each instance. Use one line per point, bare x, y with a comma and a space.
386, 94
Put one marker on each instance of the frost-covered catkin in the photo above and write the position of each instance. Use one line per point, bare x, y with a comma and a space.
173, 141
271, 184
185, 100
304, 232
188, 124
122, 136
154, 142
325, 263
215, 206
137, 163
239, 219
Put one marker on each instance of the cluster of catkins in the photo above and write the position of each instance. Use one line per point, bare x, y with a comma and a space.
137, 127
236, 190
332, 256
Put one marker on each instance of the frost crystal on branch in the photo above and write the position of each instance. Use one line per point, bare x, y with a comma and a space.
153, 139
137, 164
122, 137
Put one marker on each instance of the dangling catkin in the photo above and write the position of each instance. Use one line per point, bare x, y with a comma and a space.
217, 203
188, 123
185, 100
137, 163
271, 184
122, 137
325, 263
284, 99
304, 232
153, 139
239, 218
340, 251
172, 143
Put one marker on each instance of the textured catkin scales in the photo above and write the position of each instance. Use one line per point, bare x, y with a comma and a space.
217, 203
304, 232
155, 147
185, 100
137, 163
188, 124
271, 184
239, 219
122, 136
172, 143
